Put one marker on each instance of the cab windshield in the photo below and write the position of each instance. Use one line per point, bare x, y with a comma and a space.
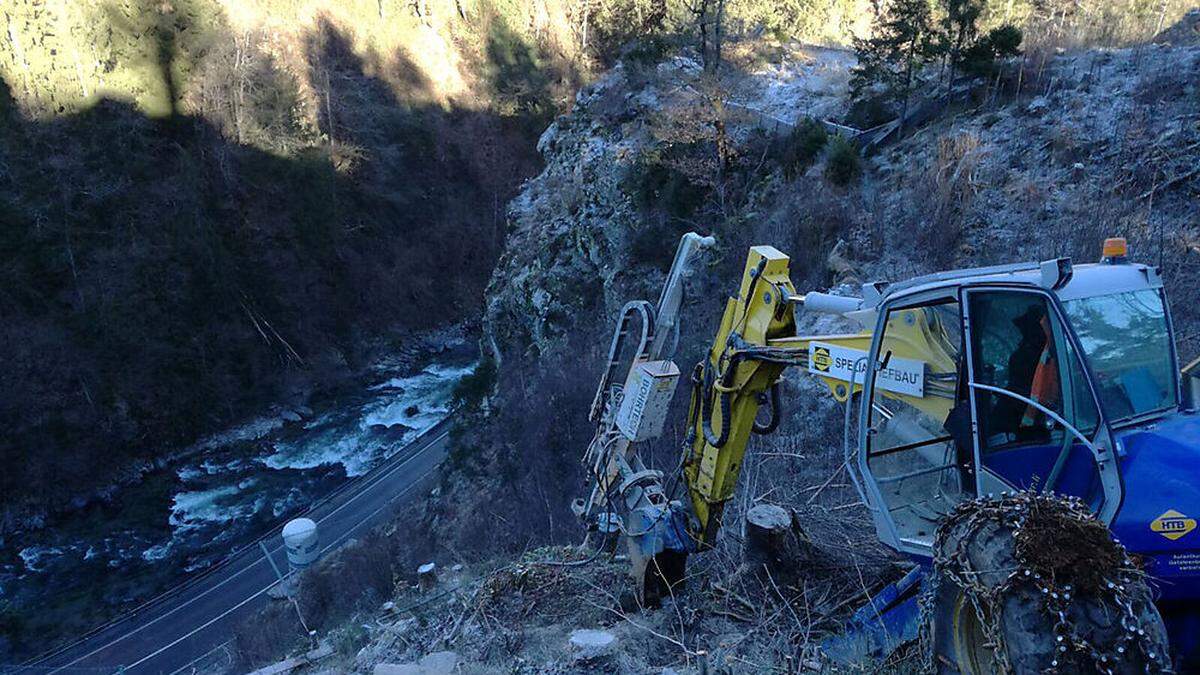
1128, 346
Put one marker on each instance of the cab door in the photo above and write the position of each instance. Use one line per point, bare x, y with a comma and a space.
1037, 424
916, 464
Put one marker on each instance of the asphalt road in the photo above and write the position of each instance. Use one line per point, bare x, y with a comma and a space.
176, 630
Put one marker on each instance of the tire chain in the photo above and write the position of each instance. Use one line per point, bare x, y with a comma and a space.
1010, 510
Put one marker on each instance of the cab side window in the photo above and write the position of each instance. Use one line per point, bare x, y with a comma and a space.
1018, 344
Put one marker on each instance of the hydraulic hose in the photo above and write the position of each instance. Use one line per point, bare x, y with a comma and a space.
706, 397
719, 390
722, 388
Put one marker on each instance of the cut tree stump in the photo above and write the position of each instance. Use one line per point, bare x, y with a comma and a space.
427, 576
776, 544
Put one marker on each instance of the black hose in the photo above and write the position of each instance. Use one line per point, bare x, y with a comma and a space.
696, 403
749, 301
706, 394
714, 439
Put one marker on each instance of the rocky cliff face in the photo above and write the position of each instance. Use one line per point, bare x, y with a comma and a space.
577, 240
569, 227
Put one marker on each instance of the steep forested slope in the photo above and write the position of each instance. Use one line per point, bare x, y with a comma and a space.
210, 206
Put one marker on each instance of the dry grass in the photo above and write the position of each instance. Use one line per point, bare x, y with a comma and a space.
260, 640
361, 574
953, 173
945, 194
1096, 23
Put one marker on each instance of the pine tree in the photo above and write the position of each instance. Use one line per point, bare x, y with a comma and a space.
904, 40
908, 36
967, 50
960, 26
980, 57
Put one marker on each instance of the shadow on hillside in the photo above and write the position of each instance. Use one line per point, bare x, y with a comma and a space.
161, 281
1185, 31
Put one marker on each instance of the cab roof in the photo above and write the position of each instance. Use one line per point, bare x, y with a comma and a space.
1085, 281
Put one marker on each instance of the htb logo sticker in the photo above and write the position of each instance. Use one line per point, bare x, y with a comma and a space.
821, 359
1173, 524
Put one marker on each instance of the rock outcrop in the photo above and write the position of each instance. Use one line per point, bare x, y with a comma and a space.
568, 260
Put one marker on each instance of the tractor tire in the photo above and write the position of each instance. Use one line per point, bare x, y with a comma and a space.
989, 610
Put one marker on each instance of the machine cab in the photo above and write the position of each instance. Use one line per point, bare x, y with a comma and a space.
985, 381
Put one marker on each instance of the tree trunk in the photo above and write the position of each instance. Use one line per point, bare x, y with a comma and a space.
427, 577
718, 36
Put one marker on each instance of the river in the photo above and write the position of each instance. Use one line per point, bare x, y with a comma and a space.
232, 487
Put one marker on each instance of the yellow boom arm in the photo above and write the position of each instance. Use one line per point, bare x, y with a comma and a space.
755, 342
730, 385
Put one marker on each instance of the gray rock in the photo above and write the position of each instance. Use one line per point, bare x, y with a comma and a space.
547, 140
437, 663
589, 645
397, 669
679, 66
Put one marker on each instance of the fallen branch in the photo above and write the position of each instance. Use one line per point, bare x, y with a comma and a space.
824, 485
732, 595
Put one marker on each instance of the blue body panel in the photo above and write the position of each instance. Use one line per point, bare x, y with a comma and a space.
890, 618
1161, 473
